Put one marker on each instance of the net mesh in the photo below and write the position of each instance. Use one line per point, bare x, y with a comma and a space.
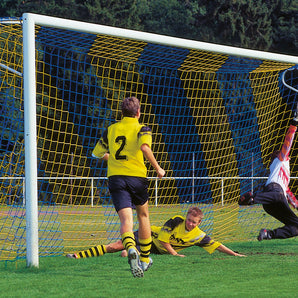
215, 120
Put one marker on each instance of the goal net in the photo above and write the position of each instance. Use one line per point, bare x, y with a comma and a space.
215, 116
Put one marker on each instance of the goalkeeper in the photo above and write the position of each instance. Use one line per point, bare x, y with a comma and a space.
276, 195
175, 235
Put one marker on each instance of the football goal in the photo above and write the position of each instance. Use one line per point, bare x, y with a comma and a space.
216, 113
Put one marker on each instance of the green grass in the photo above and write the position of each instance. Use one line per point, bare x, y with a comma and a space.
269, 270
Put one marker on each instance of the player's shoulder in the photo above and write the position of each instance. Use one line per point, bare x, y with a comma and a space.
113, 126
104, 137
155, 229
145, 128
174, 222
178, 218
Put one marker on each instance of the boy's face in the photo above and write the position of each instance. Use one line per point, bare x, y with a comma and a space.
191, 222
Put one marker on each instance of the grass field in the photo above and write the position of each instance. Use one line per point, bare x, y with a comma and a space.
269, 270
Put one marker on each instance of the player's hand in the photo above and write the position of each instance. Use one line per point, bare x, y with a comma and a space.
295, 119
296, 115
178, 255
239, 255
160, 173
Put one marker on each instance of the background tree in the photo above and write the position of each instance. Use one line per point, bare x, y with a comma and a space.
239, 23
168, 17
260, 24
284, 26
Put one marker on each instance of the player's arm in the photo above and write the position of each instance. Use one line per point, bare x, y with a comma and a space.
166, 233
170, 249
101, 149
150, 156
210, 246
145, 141
106, 156
286, 147
222, 248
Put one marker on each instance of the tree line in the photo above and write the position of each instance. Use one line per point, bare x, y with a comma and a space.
268, 25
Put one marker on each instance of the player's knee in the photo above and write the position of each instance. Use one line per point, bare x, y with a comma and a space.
124, 253
294, 230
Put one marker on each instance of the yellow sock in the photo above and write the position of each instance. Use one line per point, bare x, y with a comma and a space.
95, 251
145, 246
128, 240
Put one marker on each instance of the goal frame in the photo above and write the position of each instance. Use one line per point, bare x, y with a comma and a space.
29, 77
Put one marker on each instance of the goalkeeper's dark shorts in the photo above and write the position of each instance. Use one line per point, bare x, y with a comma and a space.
128, 191
153, 249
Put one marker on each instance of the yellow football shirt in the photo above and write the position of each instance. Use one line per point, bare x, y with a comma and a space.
123, 141
174, 232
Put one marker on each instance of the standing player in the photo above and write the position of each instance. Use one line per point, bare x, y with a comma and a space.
276, 193
176, 234
123, 145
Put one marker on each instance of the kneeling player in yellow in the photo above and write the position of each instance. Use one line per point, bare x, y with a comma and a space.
175, 235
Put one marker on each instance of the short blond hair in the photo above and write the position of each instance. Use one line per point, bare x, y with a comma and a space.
195, 211
130, 106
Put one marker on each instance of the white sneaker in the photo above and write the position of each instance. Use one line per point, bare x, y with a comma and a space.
145, 265
134, 262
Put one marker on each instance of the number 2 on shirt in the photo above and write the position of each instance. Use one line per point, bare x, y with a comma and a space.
122, 141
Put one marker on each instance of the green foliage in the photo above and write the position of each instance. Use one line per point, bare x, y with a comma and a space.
264, 25
62, 8
8, 8
284, 26
169, 17
120, 13
239, 23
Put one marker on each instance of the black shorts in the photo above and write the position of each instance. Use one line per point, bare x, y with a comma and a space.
128, 191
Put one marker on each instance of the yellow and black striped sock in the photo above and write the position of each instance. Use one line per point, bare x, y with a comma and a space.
95, 251
145, 246
128, 240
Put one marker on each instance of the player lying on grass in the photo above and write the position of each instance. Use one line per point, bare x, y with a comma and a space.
175, 235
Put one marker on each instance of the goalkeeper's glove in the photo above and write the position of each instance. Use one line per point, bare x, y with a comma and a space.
295, 119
